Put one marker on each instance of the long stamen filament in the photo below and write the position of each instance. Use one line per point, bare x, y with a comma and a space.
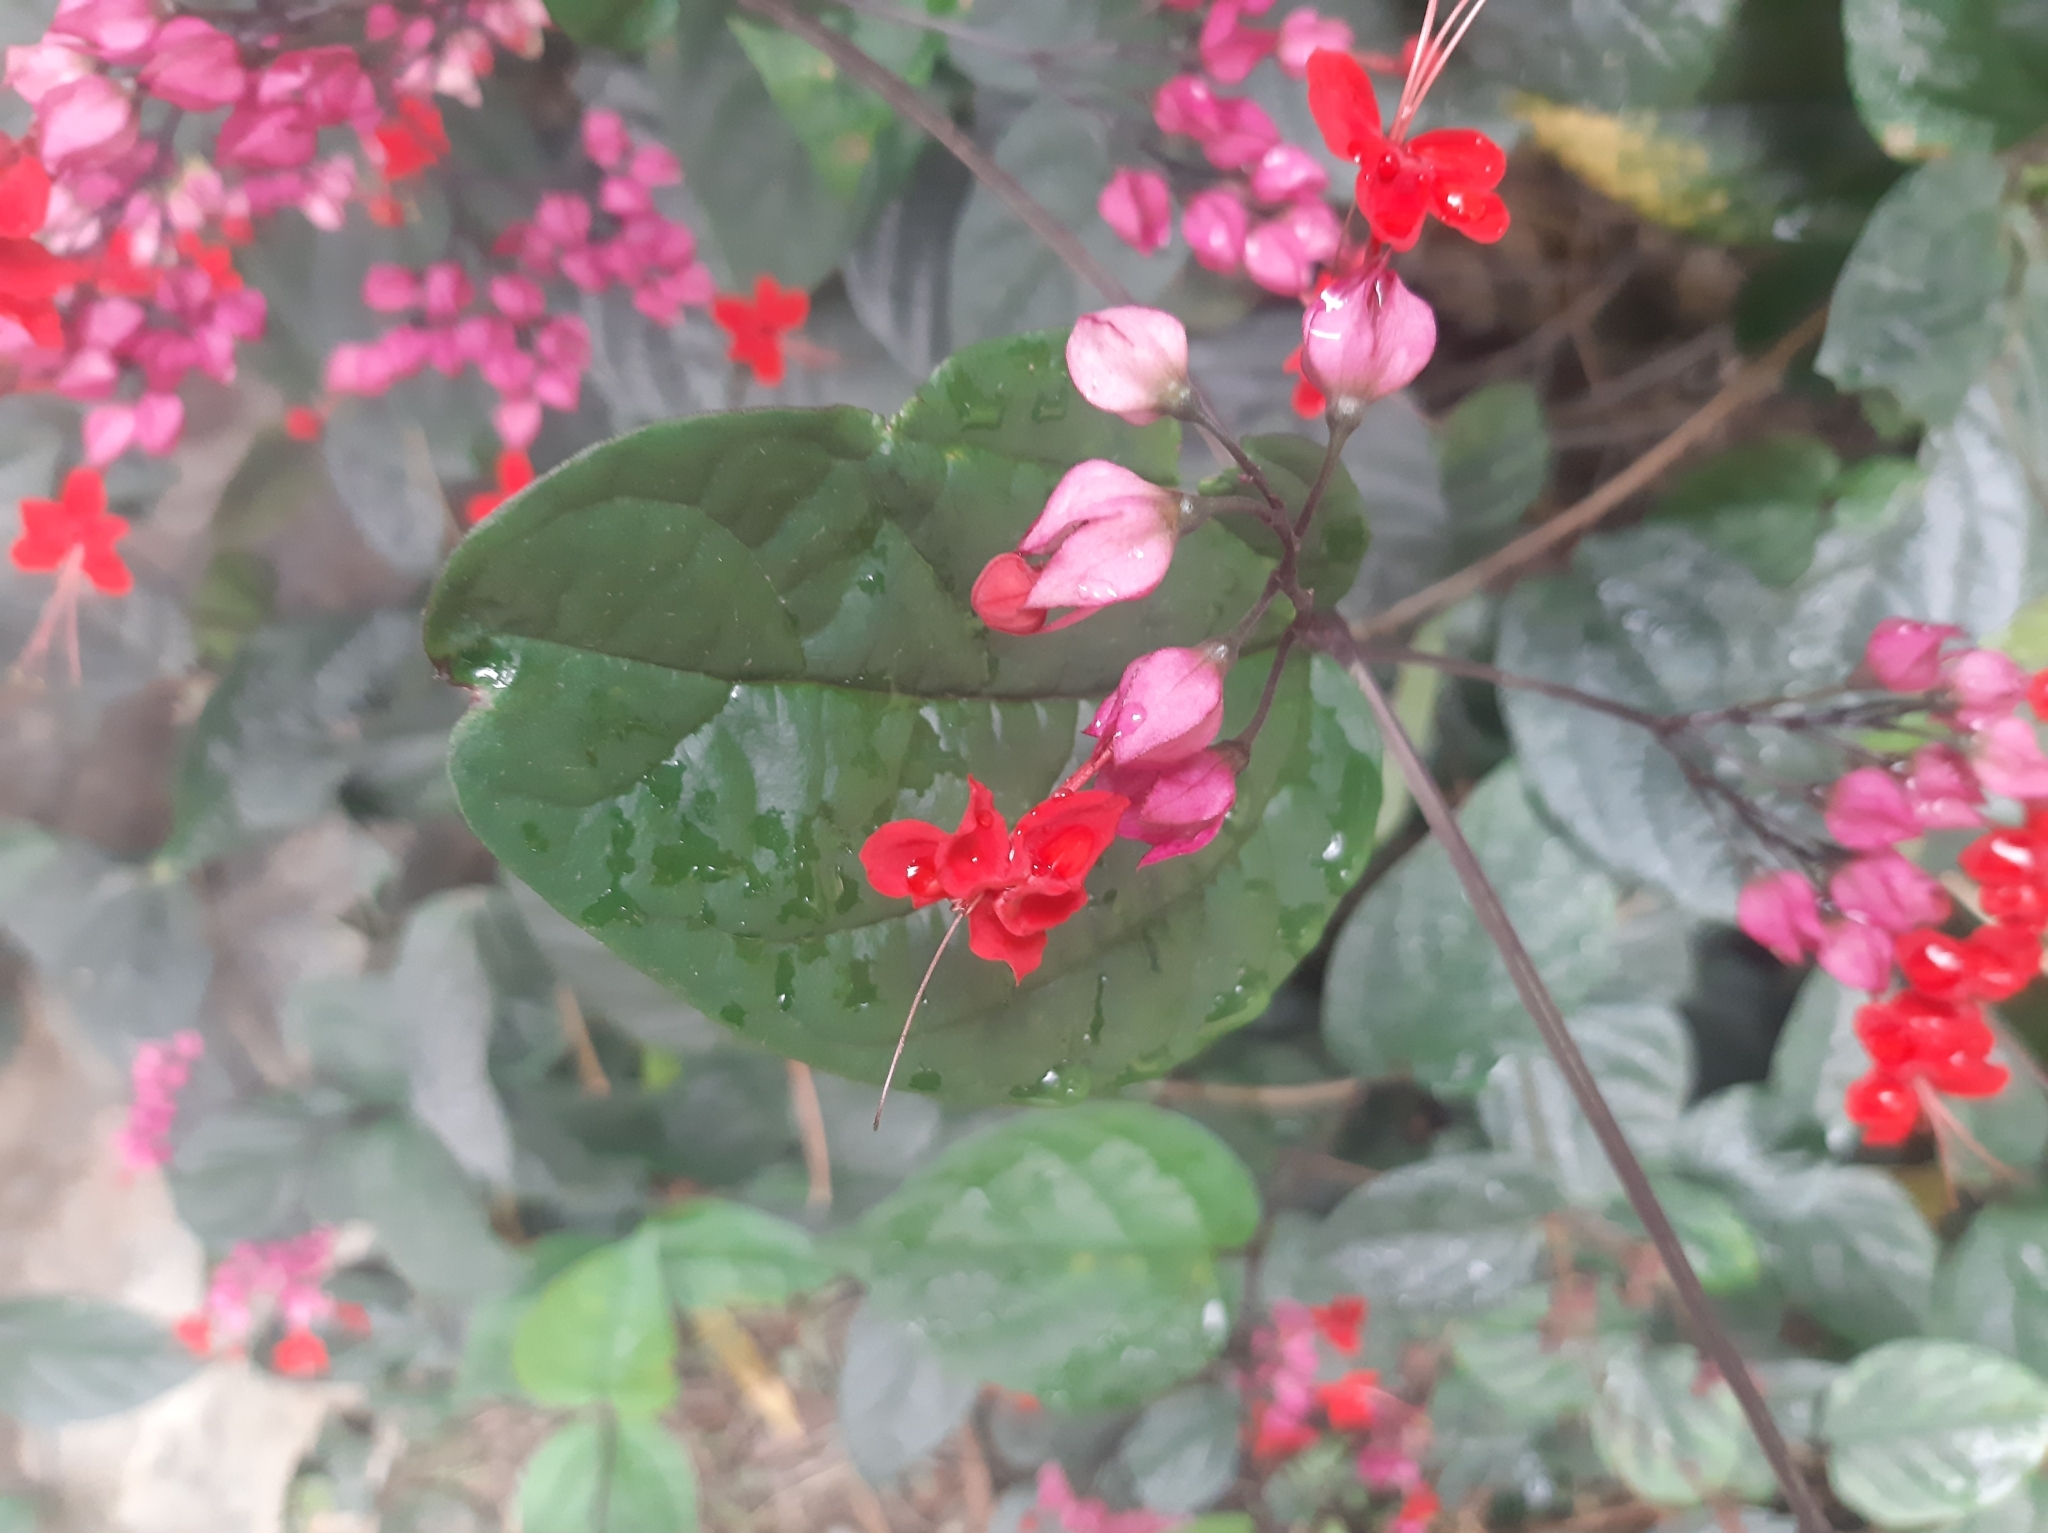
916, 1001
60, 611
1434, 46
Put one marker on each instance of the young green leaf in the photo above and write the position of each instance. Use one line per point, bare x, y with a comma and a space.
602, 1332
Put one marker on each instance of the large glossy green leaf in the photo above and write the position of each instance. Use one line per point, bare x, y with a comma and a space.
1672, 1436
714, 655
1608, 54
716, 1254
1071, 1255
897, 1401
1926, 1431
65, 1358
609, 1477
601, 1331
1932, 76
1992, 1286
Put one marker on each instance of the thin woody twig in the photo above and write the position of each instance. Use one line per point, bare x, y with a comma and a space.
891, 87
1311, 1096
1713, 1337
810, 1127
1754, 382
590, 1074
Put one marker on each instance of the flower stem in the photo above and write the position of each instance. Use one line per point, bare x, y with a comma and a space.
1528, 981
916, 1001
1340, 433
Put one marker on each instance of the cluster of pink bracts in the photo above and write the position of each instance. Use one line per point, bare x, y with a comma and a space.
283, 1281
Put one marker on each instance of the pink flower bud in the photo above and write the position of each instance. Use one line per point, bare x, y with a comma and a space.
1243, 134
242, 313
1186, 106
1274, 259
36, 69
508, 369
584, 269
1231, 51
84, 122
517, 422
1889, 892
110, 323
402, 350
119, 31
266, 138
381, 22
1177, 811
1214, 224
1780, 913
1286, 173
519, 299
562, 219
1001, 596
194, 65
446, 290
1365, 337
1942, 789
1857, 954
328, 84
557, 390
1985, 684
1167, 708
604, 137
390, 289
1316, 225
107, 432
1130, 361
2008, 759
1303, 32
1905, 656
1869, 810
655, 165
354, 368
159, 420
88, 375
564, 343
623, 197
1139, 209
1110, 535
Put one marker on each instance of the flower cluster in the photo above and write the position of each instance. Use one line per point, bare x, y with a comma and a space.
1056, 1509
1267, 217
1881, 916
261, 1281
1287, 1392
156, 1075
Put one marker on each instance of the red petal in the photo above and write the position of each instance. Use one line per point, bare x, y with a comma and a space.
1039, 906
106, 570
988, 938
27, 271
779, 307
1394, 209
1340, 98
1478, 215
515, 470
24, 197
1061, 838
976, 857
901, 860
1000, 592
1339, 1320
85, 497
1463, 156
1349, 1402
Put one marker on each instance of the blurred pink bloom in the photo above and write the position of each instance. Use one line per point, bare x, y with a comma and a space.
1231, 51
1186, 106
118, 31
36, 69
1274, 258
88, 375
519, 299
390, 289
328, 84
2008, 759
1780, 913
1856, 953
1985, 684
604, 137
1943, 789
1303, 32
1215, 223
84, 122
1905, 656
1316, 226
1287, 172
1889, 892
267, 138
1868, 809
655, 165
517, 421
1138, 208
194, 65
1069, 1513
623, 197
445, 290
157, 1075
1244, 133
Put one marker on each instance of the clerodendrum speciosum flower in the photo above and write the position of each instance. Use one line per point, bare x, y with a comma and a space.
1364, 337
73, 538
756, 326
1013, 886
515, 473
1130, 361
1450, 172
1105, 536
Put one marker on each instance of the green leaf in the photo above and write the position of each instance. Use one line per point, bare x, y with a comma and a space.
1004, 278
716, 654
1642, 1058
626, 26
382, 470
609, 1477
1718, 1242
897, 1401
1933, 76
1992, 1286
1449, 1236
602, 1332
720, 1255
852, 135
1072, 1256
1759, 503
1181, 1453
1926, 1431
1669, 1440
1917, 310
1848, 1246
1532, 1377
1415, 983
1495, 452
1606, 53
240, 1172
65, 1358
1335, 547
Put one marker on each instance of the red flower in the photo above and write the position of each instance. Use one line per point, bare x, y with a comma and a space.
77, 526
1450, 172
1014, 886
300, 1355
409, 142
1277, 1436
30, 277
1349, 1403
121, 274
756, 327
1308, 400
1883, 1106
303, 423
217, 261
1339, 1321
194, 1334
515, 473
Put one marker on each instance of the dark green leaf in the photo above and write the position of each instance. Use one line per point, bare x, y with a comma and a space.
1759, 503
602, 1332
1606, 53
428, 1215
1933, 76
897, 1401
1336, 545
1073, 1256
381, 467
1670, 1440
240, 1172
1495, 451
1532, 1377
625, 25
719, 653
1927, 1431
1004, 278
609, 1477
1992, 1286
1416, 984
444, 1013
1918, 308
720, 1255
65, 1359
343, 1028
1181, 1454
1448, 1236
